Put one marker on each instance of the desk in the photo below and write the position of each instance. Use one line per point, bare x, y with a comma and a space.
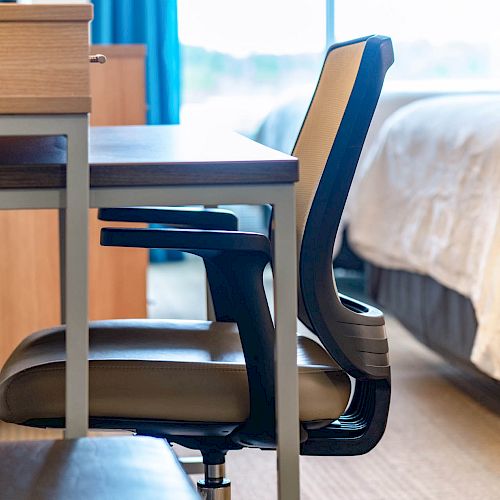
175, 165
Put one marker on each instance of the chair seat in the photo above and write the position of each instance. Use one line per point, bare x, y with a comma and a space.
162, 370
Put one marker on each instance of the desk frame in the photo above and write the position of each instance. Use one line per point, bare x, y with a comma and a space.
77, 199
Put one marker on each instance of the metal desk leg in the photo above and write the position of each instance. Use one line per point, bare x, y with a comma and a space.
77, 205
62, 263
285, 304
208, 294
75, 127
209, 301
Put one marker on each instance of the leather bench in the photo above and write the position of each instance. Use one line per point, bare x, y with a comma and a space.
121, 468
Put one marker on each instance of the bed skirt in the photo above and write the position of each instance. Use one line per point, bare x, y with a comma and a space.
439, 317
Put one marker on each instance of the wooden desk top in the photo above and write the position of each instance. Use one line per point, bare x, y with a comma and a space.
45, 13
146, 156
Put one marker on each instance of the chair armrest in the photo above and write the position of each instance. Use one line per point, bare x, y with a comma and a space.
199, 218
236, 263
188, 240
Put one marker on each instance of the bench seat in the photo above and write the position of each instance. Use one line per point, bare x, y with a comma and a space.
121, 468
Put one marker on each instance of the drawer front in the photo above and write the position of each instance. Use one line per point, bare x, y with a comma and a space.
45, 66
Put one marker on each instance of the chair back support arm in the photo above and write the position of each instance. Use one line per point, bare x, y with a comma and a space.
220, 292
242, 273
351, 331
359, 429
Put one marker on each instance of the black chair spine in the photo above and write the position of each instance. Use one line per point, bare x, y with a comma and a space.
361, 347
352, 332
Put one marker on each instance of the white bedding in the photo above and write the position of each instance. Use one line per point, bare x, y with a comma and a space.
426, 199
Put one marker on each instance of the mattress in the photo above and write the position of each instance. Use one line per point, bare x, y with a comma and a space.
426, 200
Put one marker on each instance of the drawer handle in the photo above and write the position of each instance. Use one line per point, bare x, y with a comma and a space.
97, 58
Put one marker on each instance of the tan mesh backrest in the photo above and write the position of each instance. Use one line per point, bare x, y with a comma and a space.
322, 123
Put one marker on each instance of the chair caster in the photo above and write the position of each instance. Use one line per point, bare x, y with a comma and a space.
215, 486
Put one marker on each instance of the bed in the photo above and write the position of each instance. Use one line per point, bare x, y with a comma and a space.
424, 215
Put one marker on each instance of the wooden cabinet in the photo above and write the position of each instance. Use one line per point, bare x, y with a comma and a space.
29, 259
117, 279
118, 87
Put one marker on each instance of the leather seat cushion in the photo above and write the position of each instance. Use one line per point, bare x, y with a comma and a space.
127, 468
160, 369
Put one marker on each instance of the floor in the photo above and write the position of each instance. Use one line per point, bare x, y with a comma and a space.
442, 440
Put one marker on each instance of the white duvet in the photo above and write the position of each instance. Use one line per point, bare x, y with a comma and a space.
426, 199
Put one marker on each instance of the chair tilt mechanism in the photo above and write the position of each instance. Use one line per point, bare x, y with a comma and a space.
209, 385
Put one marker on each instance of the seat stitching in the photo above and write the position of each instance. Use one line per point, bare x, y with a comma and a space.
167, 368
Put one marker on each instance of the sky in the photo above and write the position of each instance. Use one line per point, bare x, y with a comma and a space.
253, 26
242, 27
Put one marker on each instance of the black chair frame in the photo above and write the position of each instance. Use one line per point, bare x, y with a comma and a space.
352, 332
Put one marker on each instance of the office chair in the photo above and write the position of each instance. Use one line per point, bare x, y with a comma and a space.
210, 385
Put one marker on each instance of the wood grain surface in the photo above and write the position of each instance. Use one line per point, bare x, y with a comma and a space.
128, 51
29, 270
44, 56
148, 156
47, 12
119, 85
29, 260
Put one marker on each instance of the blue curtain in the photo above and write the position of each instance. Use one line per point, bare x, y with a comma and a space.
154, 23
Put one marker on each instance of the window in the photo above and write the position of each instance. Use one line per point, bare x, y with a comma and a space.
433, 39
241, 58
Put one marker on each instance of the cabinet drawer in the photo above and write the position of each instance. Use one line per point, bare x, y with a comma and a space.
44, 59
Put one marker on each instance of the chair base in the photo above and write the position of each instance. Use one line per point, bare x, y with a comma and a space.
214, 486
214, 492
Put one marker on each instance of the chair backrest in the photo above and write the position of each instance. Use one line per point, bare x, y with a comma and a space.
322, 122
328, 148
